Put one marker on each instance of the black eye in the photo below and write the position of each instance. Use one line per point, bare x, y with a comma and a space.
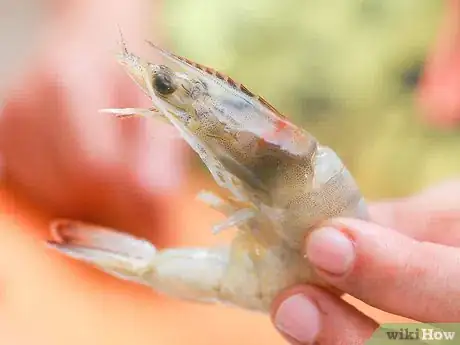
164, 83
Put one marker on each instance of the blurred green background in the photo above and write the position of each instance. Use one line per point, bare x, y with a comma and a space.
345, 70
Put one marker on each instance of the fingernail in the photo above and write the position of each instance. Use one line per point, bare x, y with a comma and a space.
330, 250
299, 318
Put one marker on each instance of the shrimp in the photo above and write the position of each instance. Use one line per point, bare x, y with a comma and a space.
277, 184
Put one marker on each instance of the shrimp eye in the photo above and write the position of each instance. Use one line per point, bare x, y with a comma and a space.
163, 82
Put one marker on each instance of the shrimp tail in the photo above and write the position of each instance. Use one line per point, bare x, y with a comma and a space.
194, 274
118, 254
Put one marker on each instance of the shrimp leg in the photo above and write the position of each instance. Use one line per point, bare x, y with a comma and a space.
235, 216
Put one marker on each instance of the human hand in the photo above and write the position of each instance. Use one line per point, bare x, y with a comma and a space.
406, 263
59, 151
438, 95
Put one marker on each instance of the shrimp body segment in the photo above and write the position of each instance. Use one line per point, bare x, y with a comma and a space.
277, 184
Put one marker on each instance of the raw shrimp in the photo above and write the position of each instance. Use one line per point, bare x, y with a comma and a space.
277, 184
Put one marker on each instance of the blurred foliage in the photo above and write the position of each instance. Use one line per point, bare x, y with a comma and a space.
345, 70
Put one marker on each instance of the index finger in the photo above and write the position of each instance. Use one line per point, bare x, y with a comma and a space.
432, 215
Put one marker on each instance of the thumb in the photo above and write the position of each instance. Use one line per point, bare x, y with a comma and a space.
388, 270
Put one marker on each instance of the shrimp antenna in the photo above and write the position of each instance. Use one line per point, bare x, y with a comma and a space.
122, 41
172, 57
162, 51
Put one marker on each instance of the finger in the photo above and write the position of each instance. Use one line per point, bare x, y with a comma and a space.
437, 95
310, 315
390, 271
423, 215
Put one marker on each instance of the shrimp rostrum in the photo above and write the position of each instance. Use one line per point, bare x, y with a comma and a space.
277, 183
